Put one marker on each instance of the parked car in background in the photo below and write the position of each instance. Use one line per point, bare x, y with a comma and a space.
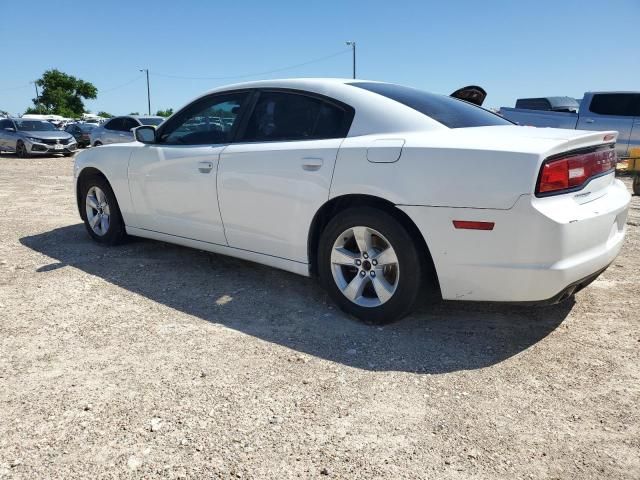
359, 183
118, 129
550, 104
28, 137
600, 111
80, 132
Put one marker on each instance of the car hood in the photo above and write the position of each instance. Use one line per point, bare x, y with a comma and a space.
48, 134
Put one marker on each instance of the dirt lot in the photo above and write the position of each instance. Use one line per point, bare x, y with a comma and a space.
150, 360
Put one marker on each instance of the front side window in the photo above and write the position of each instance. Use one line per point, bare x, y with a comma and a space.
128, 124
290, 116
115, 124
450, 112
619, 104
208, 121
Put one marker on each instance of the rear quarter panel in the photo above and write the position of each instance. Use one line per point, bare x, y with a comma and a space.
436, 175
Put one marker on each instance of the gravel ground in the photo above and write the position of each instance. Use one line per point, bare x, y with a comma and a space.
151, 360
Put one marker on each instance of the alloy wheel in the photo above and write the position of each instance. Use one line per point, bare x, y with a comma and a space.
21, 150
365, 266
98, 212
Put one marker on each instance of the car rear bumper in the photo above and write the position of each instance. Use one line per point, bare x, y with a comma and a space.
540, 250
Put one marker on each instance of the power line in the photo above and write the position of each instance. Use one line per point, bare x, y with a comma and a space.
290, 67
120, 86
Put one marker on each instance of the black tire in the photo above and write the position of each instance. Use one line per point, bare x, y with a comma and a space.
410, 263
97, 143
115, 233
21, 150
636, 184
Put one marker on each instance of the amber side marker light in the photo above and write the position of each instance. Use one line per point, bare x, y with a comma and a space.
469, 225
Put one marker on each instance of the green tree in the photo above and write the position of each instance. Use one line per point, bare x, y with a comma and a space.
134, 113
165, 113
62, 94
104, 114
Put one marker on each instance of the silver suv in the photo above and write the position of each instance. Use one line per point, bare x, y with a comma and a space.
118, 129
28, 137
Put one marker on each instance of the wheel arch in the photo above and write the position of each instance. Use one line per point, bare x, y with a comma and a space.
338, 204
84, 173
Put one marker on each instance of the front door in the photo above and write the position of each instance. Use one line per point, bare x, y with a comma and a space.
173, 182
277, 175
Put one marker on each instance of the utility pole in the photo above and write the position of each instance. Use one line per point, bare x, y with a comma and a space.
148, 91
352, 44
35, 84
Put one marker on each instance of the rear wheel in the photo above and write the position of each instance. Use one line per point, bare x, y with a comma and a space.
21, 150
100, 212
370, 265
97, 143
636, 184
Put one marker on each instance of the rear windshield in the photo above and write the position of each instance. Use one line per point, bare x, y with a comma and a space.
449, 111
150, 121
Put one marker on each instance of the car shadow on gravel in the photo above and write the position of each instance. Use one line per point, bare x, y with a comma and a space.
293, 311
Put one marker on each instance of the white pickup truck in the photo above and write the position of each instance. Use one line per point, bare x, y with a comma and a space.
598, 111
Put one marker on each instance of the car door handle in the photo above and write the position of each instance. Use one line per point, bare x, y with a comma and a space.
205, 167
589, 120
311, 164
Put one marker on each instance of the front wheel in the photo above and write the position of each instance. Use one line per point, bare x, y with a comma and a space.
636, 184
370, 265
21, 150
100, 212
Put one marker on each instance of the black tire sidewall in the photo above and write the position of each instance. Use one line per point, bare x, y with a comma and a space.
636, 184
116, 232
410, 264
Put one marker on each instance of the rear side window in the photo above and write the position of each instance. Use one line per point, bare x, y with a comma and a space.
620, 104
281, 116
450, 112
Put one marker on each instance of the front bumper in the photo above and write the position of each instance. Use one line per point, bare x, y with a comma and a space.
538, 250
48, 149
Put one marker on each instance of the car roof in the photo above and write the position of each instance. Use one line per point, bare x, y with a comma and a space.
374, 113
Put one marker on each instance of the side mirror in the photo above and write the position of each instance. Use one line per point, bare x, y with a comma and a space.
145, 134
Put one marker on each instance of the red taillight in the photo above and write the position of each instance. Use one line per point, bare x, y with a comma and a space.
574, 170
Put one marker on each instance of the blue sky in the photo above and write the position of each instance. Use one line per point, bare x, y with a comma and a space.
512, 49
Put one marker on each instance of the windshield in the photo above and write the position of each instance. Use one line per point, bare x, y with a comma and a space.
86, 127
34, 126
151, 121
450, 112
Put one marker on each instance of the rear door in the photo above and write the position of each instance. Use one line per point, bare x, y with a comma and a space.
611, 111
277, 174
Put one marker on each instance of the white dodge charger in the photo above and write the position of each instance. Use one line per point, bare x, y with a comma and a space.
384, 192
